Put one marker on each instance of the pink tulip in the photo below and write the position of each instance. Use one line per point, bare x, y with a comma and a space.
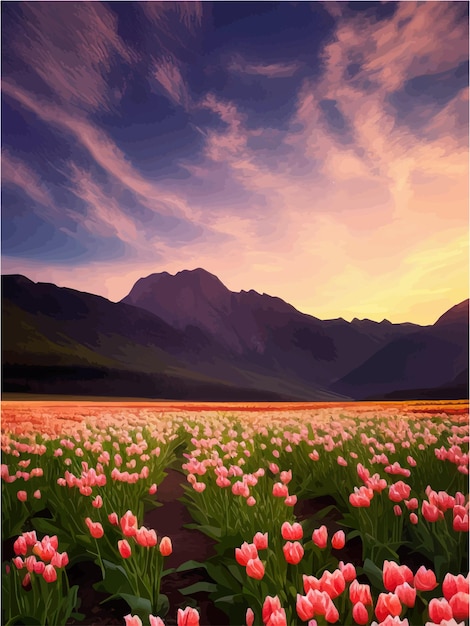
188, 617
291, 500
320, 537
132, 620
430, 512
60, 559
286, 477
338, 540
260, 540
22, 496
166, 547
270, 604
439, 609
360, 614
293, 532
250, 617
399, 491
425, 580
20, 546
459, 603
293, 552
360, 593
97, 502
37, 494
461, 524
394, 575
246, 552
255, 568
156, 621
129, 524
453, 584
348, 570
49, 574
124, 549
95, 528
280, 490
277, 618
304, 608
387, 604
407, 594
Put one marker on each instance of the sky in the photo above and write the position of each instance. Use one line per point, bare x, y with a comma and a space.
313, 151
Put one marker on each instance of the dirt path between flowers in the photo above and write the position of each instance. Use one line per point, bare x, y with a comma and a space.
188, 544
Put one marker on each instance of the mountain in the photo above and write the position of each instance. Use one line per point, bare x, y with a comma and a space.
58, 340
188, 336
263, 329
431, 362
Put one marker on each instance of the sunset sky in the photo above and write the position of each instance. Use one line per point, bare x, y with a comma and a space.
313, 151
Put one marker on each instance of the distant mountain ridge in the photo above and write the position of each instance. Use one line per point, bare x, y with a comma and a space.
188, 336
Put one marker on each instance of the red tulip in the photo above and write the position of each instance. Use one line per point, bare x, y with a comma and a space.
22, 496
250, 617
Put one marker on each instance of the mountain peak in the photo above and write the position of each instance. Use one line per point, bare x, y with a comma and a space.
458, 314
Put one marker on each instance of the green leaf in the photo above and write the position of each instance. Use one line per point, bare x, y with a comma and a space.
78, 616
214, 532
189, 565
374, 574
141, 606
231, 599
163, 605
198, 587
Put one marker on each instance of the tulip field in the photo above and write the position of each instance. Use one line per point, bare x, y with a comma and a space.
314, 513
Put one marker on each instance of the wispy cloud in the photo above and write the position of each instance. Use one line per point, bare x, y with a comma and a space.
52, 36
103, 150
103, 216
269, 70
16, 172
167, 72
